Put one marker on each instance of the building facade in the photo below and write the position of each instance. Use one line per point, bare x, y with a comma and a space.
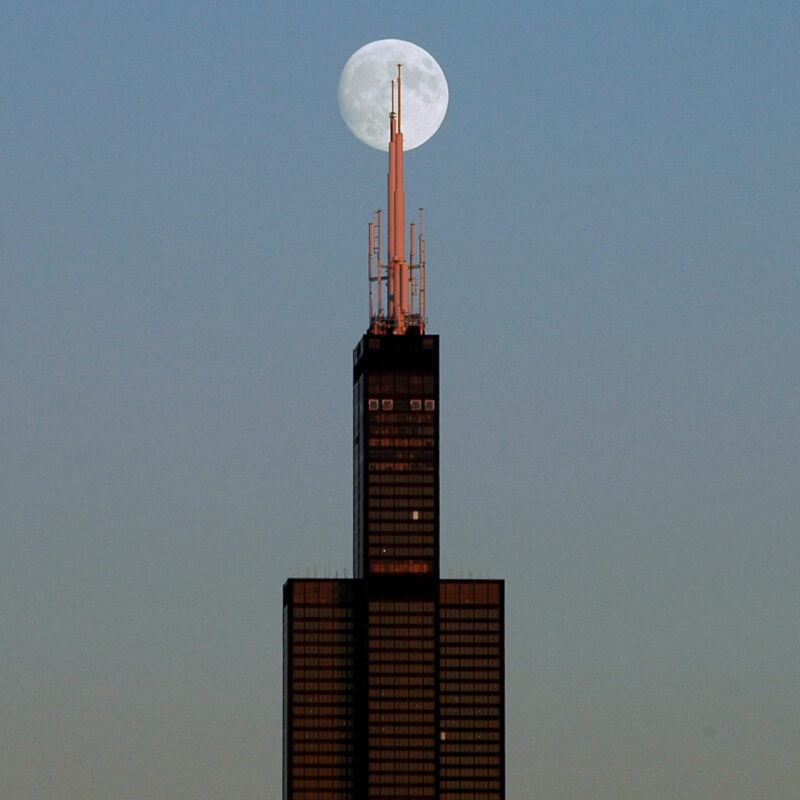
394, 679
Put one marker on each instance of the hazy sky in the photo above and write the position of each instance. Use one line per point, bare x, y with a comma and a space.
613, 228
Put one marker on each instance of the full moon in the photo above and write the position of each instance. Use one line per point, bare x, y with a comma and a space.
365, 97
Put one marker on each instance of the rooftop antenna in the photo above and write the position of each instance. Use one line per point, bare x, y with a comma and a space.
402, 283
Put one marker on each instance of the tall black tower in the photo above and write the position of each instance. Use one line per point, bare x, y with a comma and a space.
394, 679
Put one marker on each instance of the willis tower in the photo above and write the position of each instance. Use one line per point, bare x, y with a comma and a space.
394, 679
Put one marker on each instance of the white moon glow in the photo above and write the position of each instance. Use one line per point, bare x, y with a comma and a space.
365, 93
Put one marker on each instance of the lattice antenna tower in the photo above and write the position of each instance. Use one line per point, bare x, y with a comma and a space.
396, 287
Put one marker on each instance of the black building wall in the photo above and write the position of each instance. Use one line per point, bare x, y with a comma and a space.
396, 456
394, 680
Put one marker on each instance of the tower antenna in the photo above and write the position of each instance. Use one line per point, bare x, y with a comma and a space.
404, 281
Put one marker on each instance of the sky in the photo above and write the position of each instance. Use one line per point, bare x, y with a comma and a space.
611, 213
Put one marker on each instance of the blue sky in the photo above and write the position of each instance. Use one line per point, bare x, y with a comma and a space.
612, 239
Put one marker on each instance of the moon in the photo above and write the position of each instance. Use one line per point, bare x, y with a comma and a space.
365, 93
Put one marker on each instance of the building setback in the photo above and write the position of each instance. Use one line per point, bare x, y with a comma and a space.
394, 679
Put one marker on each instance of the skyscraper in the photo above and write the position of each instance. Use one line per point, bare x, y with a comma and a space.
394, 679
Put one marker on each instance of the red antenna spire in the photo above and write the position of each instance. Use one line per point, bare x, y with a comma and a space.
404, 282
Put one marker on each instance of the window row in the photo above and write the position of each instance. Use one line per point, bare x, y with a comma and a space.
466, 674
401, 705
322, 772
403, 527
401, 466
341, 749
322, 612
400, 656
473, 712
398, 514
409, 793
404, 606
386, 491
405, 442
345, 684
322, 663
333, 784
380, 499
405, 638
469, 724
413, 682
402, 453
477, 785
400, 418
470, 637
332, 711
400, 538
469, 687
321, 649
323, 721
467, 650
314, 634
419, 761
390, 567
335, 760
478, 625
322, 698
389, 642
401, 404
316, 621
393, 777
479, 735
411, 668
380, 728
423, 621
462, 795
299, 673
376, 429
388, 625
471, 613
470, 772
386, 759
401, 552
400, 745
483, 748
406, 693
461, 759
396, 481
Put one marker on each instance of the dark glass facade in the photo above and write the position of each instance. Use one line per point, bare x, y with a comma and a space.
394, 680
319, 685
396, 456
471, 690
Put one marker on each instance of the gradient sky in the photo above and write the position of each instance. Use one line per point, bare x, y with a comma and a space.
612, 222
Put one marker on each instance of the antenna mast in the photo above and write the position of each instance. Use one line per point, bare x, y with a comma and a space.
402, 282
